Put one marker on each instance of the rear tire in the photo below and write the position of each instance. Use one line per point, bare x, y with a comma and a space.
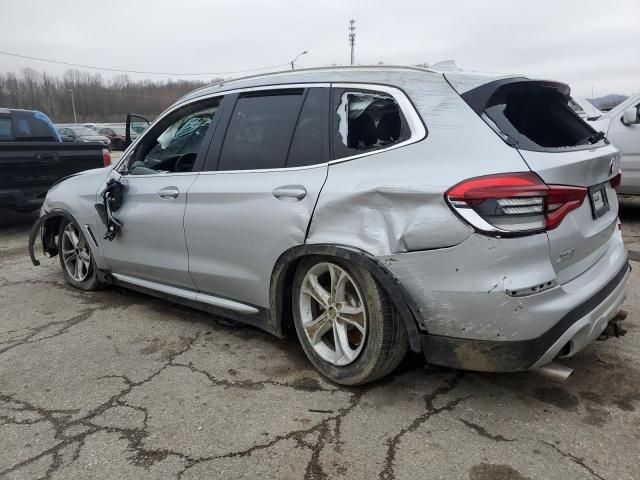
345, 321
76, 259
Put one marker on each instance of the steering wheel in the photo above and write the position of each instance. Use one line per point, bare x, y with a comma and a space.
184, 163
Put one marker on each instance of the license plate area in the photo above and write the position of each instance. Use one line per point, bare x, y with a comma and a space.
598, 199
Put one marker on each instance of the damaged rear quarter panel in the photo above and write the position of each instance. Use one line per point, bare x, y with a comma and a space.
462, 291
392, 201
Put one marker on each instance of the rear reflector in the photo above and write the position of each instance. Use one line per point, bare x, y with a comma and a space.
615, 181
513, 203
106, 157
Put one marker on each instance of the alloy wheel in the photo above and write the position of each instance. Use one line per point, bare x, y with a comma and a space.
75, 253
333, 313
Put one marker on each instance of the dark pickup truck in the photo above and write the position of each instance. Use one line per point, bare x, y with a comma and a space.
33, 158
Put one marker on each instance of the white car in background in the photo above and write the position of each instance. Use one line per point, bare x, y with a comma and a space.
621, 125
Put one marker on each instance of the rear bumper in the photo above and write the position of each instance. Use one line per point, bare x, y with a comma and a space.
493, 304
577, 328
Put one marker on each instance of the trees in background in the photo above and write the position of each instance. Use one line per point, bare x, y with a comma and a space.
96, 99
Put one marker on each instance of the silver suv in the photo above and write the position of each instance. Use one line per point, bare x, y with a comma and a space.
375, 209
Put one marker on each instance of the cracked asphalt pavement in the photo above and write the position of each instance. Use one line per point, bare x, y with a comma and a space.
114, 384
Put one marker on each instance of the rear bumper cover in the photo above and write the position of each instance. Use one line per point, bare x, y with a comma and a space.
580, 326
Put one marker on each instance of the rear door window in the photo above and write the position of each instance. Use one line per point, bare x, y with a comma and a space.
364, 121
310, 145
260, 130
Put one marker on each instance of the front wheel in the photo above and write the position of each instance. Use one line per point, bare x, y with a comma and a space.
345, 321
76, 260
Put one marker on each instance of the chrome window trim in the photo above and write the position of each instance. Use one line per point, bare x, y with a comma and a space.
414, 121
175, 107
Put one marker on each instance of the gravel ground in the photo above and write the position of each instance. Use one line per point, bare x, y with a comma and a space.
115, 384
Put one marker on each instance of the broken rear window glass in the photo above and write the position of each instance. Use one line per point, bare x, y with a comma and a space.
366, 121
535, 116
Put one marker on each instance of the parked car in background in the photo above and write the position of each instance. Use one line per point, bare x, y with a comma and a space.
621, 125
116, 134
84, 134
472, 217
33, 158
91, 126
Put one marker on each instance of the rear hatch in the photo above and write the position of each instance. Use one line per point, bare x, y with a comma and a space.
535, 118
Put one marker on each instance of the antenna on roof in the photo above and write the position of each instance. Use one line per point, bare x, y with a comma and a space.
352, 38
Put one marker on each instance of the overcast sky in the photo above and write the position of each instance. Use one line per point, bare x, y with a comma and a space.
589, 44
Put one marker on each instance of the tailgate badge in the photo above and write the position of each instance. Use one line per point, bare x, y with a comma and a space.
565, 255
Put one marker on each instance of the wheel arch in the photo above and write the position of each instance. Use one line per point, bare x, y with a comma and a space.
47, 226
287, 263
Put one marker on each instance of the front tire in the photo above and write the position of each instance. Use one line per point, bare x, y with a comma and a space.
76, 259
346, 323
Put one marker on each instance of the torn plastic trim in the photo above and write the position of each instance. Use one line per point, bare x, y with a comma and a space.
112, 198
46, 237
399, 296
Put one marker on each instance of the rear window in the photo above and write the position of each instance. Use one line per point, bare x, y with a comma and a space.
533, 116
6, 129
34, 126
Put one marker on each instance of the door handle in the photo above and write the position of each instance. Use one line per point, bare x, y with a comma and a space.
169, 192
290, 191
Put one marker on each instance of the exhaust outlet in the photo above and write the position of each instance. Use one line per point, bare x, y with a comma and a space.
554, 371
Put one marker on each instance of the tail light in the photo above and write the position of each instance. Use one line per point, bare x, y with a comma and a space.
106, 157
513, 203
615, 181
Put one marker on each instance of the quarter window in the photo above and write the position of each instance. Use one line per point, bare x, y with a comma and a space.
366, 121
260, 130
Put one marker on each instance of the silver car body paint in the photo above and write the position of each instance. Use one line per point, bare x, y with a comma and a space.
226, 231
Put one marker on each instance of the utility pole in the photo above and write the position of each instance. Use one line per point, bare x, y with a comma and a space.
352, 38
73, 104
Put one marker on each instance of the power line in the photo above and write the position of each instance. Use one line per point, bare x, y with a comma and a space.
10, 54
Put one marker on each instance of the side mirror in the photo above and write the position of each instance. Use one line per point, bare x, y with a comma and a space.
630, 116
135, 125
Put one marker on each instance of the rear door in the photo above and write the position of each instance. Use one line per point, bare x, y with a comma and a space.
562, 149
256, 195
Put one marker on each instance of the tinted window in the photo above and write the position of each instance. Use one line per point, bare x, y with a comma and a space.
309, 145
260, 130
6, 129
173, 144
365, 121
33, 126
